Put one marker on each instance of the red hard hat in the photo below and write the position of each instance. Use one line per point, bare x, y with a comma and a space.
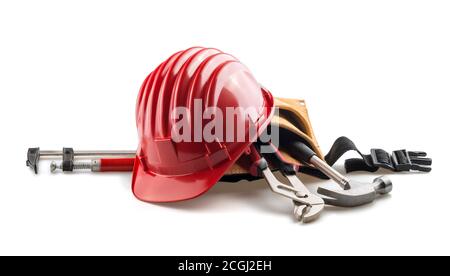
167, 169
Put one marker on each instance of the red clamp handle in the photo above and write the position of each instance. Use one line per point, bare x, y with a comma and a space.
116, 164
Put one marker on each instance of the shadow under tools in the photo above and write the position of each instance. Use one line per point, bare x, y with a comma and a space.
255, 193
223, 195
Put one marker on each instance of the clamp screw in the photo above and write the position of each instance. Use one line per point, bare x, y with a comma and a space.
77, 166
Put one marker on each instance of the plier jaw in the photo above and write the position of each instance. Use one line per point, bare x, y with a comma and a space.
307, 206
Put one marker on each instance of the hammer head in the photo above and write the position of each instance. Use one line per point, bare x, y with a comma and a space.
359, 193
383, 185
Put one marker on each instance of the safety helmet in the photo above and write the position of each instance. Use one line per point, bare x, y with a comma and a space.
168, 168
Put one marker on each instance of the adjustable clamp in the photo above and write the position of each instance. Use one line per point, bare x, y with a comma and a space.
116, 160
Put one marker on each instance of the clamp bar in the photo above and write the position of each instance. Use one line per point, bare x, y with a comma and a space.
51, 154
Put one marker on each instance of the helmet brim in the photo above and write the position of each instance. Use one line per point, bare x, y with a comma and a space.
151, 187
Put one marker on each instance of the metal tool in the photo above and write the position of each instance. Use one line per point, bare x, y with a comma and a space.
354, 193
101, 159
289, 171
316, 203
107, 164
307, 205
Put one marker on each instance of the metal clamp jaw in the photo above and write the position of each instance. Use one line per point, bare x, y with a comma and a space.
33, 156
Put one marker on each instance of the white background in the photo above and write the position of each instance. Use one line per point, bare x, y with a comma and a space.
375, 71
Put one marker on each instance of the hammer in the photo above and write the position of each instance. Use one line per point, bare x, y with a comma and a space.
353, 193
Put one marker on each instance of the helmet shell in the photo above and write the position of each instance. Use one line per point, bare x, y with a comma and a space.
168, 168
